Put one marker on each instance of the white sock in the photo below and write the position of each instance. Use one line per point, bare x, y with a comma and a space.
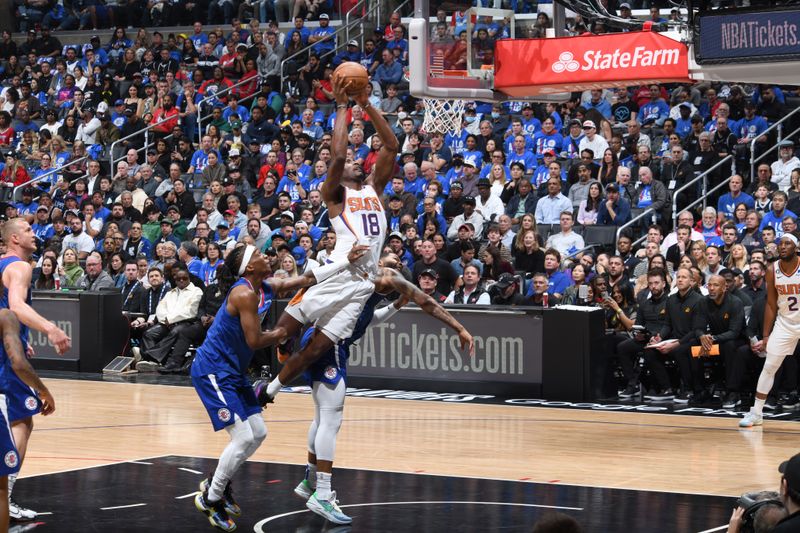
274, 387
323, 485
12, 478
758, 408
311, 474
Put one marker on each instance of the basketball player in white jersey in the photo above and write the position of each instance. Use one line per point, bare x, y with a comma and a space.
781, 321
357, 216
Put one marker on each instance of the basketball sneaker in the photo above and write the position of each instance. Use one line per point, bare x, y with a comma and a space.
215, 511
18, 513
751, 419
231, 506
304, 490
328, 509
260, 389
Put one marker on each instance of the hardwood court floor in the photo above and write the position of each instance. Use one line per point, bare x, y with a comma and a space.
100, 423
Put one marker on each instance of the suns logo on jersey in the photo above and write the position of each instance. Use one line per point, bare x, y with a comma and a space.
370, 203
11, 459
31, 404
224, 415
788, 288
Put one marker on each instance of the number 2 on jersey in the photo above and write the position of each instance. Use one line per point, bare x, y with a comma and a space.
792, 303
371, 226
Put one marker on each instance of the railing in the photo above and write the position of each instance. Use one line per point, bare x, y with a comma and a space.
714, 188
345, 28
779, 126
703, 198
144, 130
205, 100
647, 212
51, 172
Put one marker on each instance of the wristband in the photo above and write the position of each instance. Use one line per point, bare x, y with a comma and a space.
323, 272
341, 106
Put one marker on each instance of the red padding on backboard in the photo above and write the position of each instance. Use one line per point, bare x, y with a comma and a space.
528, 67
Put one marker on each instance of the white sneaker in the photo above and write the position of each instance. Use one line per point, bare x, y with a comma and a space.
751, 419
18, 513
304, 490
328, 509
147, 366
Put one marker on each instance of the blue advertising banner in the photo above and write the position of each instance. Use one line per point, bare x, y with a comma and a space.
747, 37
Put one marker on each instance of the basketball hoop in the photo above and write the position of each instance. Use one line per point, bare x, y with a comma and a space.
442, 116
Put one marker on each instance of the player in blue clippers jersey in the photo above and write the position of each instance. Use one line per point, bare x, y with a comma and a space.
22, 401
12, 354
327, 377
219, 369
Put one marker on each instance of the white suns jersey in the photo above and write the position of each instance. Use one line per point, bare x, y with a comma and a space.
788, 288
363, 221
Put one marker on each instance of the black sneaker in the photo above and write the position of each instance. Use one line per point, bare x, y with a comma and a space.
731, 401
701, 398
771, 404
666, 395
790, 401
630, 391
684, 397
231, 506
215, 511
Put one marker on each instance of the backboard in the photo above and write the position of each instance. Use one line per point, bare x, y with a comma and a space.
451, 50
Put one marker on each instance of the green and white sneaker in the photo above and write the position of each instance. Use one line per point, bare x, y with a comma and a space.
751, 419
328, 509
304, 490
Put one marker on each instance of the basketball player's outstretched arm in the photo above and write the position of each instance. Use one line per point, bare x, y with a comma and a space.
771, 308
310, 277
331, 189
19, 363
244, 302
390, 280
387, 155
17, 277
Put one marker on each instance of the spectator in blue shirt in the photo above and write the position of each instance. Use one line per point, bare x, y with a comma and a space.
615, 211
598, 102
557, 281
774, 218
304, 32
323, 38
27, 206
656, 111
727, 202
751, 126
400, 43
390, 71
352, 53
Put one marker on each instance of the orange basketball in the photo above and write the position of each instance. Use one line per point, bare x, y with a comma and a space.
352, 72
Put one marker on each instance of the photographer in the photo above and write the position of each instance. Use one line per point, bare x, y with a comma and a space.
790, 495
757, 512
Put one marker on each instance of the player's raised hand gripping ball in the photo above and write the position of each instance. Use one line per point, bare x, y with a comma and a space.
352, 76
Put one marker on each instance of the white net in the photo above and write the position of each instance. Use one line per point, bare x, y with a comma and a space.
443, 116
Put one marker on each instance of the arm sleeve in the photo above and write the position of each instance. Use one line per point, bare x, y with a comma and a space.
383, 314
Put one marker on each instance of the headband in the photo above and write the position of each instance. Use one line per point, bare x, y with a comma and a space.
248, 253
790, 237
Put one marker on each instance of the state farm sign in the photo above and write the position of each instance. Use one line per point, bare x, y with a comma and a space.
587, 62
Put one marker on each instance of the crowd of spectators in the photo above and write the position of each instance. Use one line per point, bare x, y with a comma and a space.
498, 213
